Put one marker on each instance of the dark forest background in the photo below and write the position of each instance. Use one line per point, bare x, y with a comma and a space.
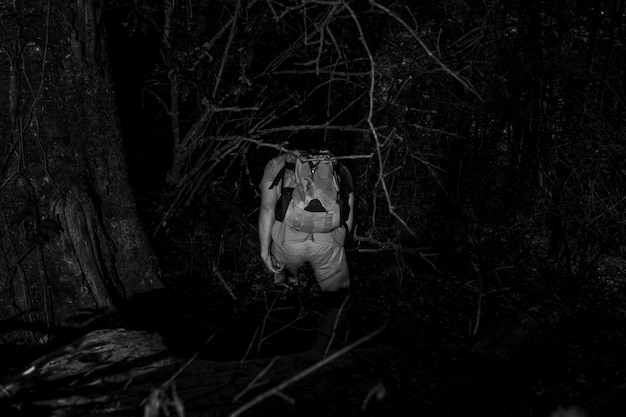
486, 140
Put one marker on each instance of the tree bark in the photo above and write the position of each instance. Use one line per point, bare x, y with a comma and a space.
71, 244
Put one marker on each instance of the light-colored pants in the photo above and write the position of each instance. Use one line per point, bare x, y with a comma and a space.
327, 260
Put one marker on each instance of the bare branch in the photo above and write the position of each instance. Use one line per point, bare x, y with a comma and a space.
298, 128
253, 383
233, 30
466, 83
370, 122
280, 387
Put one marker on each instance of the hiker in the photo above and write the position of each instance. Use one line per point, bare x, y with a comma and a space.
292, 235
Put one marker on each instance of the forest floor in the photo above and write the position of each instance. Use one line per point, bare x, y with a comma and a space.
546, 355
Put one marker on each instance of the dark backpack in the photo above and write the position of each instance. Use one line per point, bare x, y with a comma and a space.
312, 199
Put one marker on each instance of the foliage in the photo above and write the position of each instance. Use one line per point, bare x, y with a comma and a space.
492, 130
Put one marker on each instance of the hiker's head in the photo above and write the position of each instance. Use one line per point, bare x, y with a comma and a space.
309, 141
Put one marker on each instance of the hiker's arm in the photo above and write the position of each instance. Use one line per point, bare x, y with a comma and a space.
348, 187
350, 221
266, 221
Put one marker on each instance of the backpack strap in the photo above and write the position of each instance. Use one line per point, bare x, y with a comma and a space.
285, 192
278, 177
281, 174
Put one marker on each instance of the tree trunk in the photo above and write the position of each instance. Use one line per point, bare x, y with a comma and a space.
71, 245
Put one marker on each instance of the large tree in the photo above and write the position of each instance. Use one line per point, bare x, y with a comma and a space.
71, 245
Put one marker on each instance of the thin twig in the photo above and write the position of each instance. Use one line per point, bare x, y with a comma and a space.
370, 122
233, 30
265, 317
299, 316
224, 283
336, 325
297, 128
218, 35
269, 4
280, 387
186, 364
426, 49
159, 99
154, 398
245, 355
232, 109
253, 383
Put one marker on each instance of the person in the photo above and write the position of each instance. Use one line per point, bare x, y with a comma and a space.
284, 250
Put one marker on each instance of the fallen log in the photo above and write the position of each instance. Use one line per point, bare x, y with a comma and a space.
95, 371
119, 372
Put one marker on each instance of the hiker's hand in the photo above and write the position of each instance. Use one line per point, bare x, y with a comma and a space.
272, 264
